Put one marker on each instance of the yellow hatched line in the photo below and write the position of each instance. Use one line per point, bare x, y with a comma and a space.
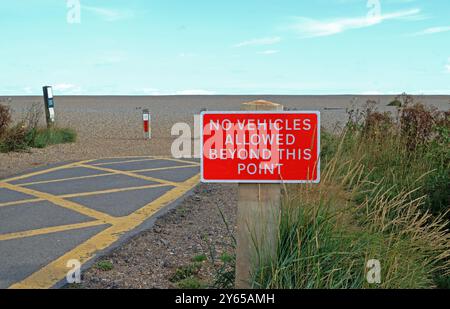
51, 274
34, 200
75, 164
182, 161
141, 158
125, 158
66, 166
83, 194
113, 191
63, 203
62, 179
122, 162
73, 226
104, 175
163, 168
50, 230
14, 203
130, 174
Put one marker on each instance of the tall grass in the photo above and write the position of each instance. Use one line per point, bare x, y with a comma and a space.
52, 136
383, 196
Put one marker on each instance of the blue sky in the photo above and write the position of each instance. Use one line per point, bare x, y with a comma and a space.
165, 47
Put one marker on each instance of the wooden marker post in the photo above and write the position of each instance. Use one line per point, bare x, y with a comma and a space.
259, 208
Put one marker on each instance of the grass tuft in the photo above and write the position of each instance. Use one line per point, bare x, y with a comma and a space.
53, 136
104, 266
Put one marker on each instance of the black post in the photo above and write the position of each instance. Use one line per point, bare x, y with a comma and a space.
49, 106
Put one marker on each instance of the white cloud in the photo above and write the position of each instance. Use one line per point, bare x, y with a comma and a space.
28, 90
269, 52
66, 88
447, 66
108, 14
195, 92
432, 30
309, 27
259, 42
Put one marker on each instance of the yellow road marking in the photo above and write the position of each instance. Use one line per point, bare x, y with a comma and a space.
163, 168
182, 161
127, 161
74, 164
34, 200
69, 165
83, 194
131, 174
104, 175
14, 203
49, 275
63, 203
113, 191
50, 230
62, 179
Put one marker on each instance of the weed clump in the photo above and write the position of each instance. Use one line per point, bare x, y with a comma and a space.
5, 119
104, 266
27, 133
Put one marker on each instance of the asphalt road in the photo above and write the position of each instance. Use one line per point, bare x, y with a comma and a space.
80, 211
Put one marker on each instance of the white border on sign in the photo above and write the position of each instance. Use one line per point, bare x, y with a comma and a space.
317, 181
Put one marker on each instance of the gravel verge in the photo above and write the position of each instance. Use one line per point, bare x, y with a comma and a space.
194, 229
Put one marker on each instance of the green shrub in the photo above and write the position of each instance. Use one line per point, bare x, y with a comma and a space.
224, 277
5, 119
104, 266
185, 272
191, 283
199, 258
21, 137
26, 133
409, 154
16, 138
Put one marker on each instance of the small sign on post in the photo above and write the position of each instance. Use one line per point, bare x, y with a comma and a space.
146, 117
260, 148
49, 105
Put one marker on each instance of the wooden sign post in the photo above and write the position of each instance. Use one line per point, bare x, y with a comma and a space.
259, 206
259, 148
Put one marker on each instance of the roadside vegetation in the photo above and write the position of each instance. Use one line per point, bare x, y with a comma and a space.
27, 134
384, 196
213, 270
104, 265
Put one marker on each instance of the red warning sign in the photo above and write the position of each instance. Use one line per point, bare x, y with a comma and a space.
260, 147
